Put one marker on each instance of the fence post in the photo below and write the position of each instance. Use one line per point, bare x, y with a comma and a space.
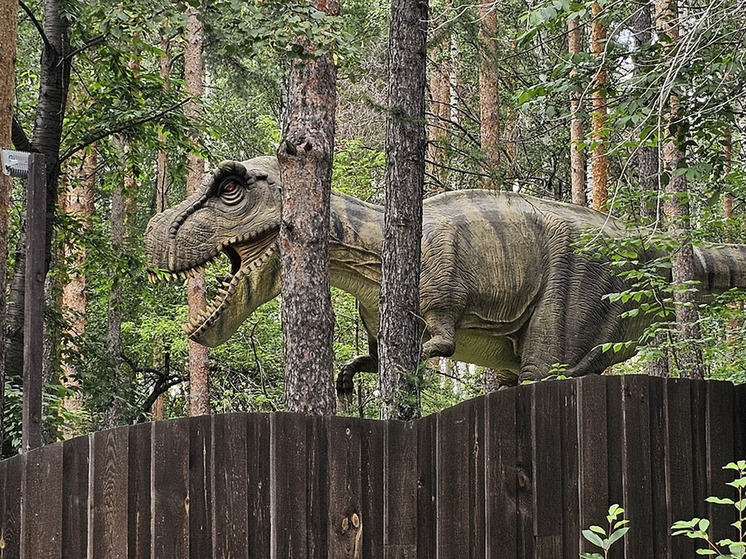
33, 324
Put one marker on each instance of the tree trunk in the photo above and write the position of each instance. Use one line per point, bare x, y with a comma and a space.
689, 353
489, 96
439, 117
8, 42
600, 159
50, 112
79, 204
305, 157
199, 363
161, 176
401, 325
577, 134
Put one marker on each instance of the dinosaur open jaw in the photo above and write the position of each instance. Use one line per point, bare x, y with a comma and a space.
244, 257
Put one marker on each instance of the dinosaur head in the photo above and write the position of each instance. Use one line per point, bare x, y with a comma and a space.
236, 211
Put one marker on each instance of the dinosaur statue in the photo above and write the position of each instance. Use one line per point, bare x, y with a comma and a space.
502, 284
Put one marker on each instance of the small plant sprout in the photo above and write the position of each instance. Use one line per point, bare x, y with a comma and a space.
696, 528
604, 539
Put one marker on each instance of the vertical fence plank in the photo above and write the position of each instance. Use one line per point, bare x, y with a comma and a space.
170, 489
108, 536
614, 437
400, 491
201, 500
75, 467
525, 472
679, 464
500, 465
739, 427
230, 520
139, 491
720, 451
658, 480
453, 483
345, 518
10, 523
593, 457
289, 486
569, 447
636, 466
427, 487
546, 425
477, 478
699, 446
318, 487
258, 450
41, 524
372, 487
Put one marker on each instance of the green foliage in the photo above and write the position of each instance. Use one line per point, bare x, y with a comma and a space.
604, 538
697, 528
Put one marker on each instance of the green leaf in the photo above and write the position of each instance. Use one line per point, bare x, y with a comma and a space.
593, 538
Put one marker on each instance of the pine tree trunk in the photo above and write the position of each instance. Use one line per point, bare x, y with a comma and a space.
437, 131
305, 157
689, 353
489, 95
577, 133
600, 161
199, 362
8, 42
79, 204
401, 325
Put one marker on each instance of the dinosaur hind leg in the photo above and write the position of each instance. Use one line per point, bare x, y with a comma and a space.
442, 330
363, 363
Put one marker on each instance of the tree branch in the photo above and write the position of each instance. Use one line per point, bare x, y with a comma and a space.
19, 138
127, 126
36, 23
92, 43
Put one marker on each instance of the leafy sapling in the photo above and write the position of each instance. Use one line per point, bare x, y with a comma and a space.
605, 538
697, 528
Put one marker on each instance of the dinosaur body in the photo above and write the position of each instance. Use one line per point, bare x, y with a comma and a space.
501, 283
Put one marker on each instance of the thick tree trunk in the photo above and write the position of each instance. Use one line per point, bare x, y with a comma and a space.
78, 203
305, 157
199, 359
689, 353
489, 95
401, 326
600, 161
8, 42
577, 133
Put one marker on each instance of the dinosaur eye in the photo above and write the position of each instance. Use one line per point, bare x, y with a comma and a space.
231, 191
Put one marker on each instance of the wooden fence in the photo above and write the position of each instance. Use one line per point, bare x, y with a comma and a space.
516, 474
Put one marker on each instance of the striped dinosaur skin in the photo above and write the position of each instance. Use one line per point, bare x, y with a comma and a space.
501, 282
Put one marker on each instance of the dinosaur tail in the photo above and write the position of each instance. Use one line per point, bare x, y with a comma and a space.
720, 267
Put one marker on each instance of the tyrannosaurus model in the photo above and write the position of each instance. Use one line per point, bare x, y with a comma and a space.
502, 284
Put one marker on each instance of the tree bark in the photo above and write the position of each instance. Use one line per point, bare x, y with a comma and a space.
577, 133
305, 155
161, 180
199, 358
439, 117
8, 42
50, 112
78, 203
676, 207
401, 326
600, 159
489, 95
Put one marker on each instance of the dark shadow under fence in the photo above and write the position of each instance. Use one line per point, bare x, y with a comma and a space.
516, 474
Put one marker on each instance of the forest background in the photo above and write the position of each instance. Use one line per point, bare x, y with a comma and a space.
636, 104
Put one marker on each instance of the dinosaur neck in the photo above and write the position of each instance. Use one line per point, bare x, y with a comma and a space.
355, 249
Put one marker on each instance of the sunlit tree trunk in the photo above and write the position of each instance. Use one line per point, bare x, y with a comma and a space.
8, 42
489, 95
577, 133
401, 326
688, 354
600, 159
305, 156
199, 364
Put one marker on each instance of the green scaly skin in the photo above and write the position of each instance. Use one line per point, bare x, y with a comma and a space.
501, 284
